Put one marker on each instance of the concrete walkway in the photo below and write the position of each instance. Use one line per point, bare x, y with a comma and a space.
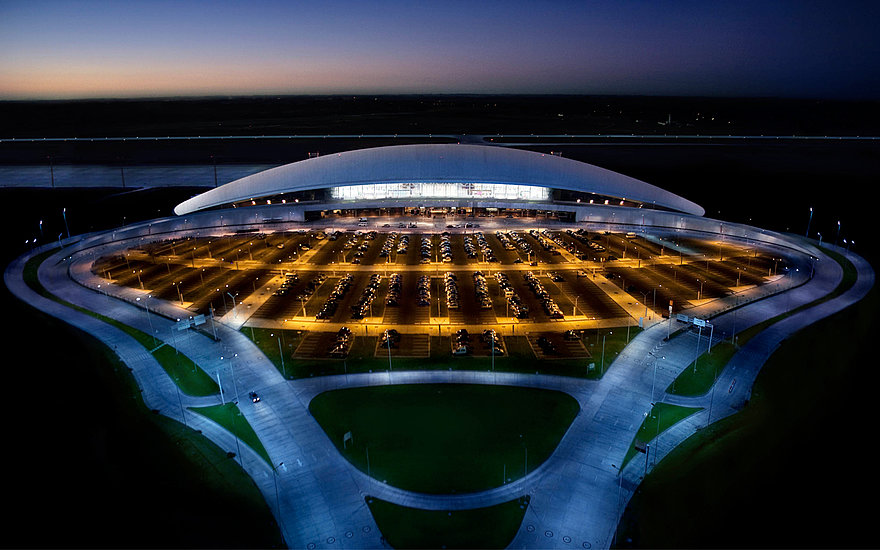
577, 495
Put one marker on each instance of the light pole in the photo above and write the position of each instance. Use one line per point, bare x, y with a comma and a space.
654, 379
807, 234
232, 373
233, 304
147, 313
179, 294
388, 341
64, 215
602, 367
281, 354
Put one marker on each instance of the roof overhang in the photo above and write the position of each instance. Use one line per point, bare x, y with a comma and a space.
438, 163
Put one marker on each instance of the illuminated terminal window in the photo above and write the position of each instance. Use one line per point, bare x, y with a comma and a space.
440, 191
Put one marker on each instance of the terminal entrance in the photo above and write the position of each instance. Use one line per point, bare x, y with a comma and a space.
453, 213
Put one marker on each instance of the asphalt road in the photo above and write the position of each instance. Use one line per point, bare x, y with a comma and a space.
577, 496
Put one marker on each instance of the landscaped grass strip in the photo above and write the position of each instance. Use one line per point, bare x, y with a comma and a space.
765, 461
709, 366
189, 377
694, 381
661, 417
229, 417
490, 527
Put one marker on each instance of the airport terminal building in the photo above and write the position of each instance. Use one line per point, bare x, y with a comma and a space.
439, 179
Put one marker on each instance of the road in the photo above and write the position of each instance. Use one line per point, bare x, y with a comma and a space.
577, 495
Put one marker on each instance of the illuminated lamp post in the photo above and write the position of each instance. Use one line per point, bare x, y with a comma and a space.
150, 319
233, 304
602, 367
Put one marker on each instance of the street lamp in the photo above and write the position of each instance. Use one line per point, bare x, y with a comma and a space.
150, 319
233, 304
654, 378
602, 367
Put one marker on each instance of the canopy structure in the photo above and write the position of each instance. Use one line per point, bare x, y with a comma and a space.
432, 165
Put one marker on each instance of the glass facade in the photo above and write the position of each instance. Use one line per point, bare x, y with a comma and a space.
376, 191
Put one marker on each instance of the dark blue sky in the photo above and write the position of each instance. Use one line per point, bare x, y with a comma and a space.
55, 49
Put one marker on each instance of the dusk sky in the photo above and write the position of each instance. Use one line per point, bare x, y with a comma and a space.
78, 49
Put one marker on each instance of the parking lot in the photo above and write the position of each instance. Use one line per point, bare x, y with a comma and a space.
417, 281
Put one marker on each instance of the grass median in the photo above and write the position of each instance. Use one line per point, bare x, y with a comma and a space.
125, 468
777, 465
230, 418
489, 527
445, 438
188, 376
661, 417
700, 375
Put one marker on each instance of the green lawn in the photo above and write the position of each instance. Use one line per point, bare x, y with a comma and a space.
783, 466
692, 382
697, 380
126, 468
492, 527
229, 416
191, 379
188, 376
445, 438
661, 417
519, 358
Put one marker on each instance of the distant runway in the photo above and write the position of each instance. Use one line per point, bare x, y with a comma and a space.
209, 175
94, 175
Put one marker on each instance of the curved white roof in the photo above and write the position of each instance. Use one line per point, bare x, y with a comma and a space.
438, 163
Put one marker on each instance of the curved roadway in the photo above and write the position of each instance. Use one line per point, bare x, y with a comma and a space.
318, 497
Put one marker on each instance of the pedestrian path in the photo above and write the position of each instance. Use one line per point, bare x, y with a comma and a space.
577, 495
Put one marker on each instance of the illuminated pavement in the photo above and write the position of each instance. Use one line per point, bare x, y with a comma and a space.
576, 495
